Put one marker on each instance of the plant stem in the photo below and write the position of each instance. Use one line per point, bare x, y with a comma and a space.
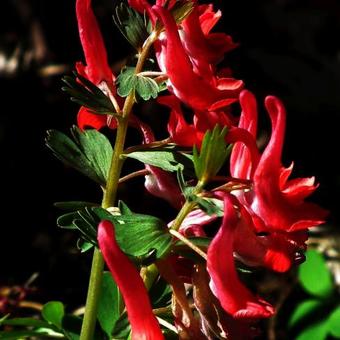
187, 207
110, 193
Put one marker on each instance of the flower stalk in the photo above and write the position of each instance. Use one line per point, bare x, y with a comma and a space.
109, 198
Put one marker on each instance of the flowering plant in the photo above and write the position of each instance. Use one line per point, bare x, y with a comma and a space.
180, 277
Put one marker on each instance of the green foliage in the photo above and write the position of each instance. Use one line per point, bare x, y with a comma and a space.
213, 154
85, 220
87, 94
129, 81
311, 318
181, 10
56, 325
139, 235
167, 159
110, 304
314, 275
143, 238
333, 323
89, 152
303, 310
131, 25
210, 206
53, 312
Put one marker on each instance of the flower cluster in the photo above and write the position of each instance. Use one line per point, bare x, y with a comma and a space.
265, 215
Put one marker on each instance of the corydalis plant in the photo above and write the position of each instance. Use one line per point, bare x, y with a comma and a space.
177, 278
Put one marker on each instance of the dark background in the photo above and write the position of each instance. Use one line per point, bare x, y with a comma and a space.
287, 48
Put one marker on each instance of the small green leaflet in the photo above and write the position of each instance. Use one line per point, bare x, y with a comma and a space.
166, 159
89, 152
131, 25
214, 152
128, 81
315, 276
53, 312
87, 94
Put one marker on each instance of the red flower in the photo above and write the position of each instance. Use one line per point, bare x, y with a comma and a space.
198, 40
234, 297
97, 68
202, 90
144, 325
280, 216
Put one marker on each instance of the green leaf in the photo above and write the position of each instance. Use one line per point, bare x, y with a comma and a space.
137, 234
126, 81
131, 25
124, 209
54, 312
214, 152
89, 152
85, 220
314, 275
181, 10
160, 294
87, 94
146, 87
72, 326
333, 323
168, 160
73, 205
110, 304
210, 206
303, 311
122, 328
317, 331
25, 334
28, 322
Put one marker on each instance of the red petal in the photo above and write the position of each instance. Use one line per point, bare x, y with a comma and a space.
93, 45
161, 184
234, 297
187, 85
144, 325
86, 119
277, 209
240, 159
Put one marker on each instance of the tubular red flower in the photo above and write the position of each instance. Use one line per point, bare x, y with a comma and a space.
196, 91
234, 297
144, 325
97, 68
280, 216
240, 159
202, 44
278, 201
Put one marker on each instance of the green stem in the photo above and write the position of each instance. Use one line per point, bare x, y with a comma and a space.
187, 207
110, 193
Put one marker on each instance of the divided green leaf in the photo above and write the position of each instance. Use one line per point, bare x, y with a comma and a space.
214, 152
131, 24
128, 81
139, 235
89, 152
87, 94
314, 275
166, 159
